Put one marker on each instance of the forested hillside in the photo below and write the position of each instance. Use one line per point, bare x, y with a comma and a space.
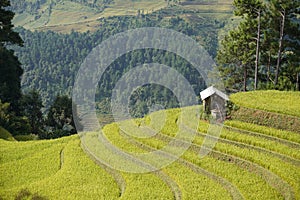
259, 49
58, 35
51, 60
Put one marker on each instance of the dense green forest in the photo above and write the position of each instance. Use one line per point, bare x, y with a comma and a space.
48, 62
51, 60
21, 113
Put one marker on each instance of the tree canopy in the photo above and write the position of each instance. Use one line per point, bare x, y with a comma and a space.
10, 67
7, 35
265, 45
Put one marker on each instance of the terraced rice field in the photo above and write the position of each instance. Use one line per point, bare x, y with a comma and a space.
287, 102
65, 16
248, 161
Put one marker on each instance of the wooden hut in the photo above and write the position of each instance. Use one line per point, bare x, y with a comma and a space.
213, 101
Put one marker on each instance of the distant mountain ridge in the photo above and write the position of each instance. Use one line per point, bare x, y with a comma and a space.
85, 15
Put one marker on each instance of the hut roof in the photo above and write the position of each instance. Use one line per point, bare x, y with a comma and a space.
212, 90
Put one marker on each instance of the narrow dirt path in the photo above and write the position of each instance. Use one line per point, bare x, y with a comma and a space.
61, 154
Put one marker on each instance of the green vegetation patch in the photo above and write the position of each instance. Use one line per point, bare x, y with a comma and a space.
4, 134
26, 137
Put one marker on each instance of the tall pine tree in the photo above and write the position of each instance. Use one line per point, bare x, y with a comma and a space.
10, 67
284, 24
252, 11
236, 56
269, 40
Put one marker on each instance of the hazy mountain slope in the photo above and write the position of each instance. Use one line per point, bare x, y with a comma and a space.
65, 15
